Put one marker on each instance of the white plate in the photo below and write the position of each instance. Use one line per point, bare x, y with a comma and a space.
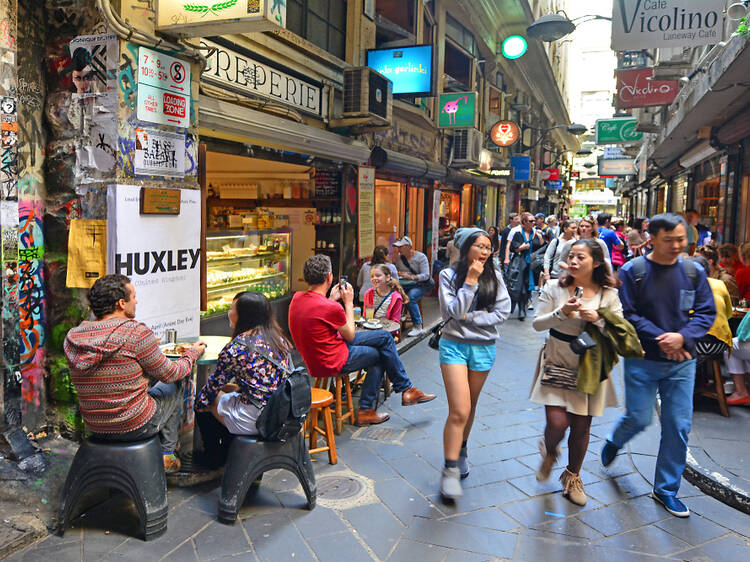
165, 346
371, 325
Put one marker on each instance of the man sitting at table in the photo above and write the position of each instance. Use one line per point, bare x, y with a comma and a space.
111, 362
323, 332
414, 266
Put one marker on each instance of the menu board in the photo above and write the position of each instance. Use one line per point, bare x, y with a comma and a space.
327, 183
366, 211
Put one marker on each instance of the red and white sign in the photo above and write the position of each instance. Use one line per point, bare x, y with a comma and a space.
163, 89
634, 89
549, 174
505, 133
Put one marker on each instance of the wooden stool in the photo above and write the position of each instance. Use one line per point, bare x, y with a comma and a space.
713, 364
321, 400
343, 378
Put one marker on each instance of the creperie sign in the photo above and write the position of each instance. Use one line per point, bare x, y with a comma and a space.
636, 89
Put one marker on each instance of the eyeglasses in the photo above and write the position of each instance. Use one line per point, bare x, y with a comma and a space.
482, 247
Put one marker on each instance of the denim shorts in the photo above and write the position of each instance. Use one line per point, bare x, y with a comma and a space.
476, 357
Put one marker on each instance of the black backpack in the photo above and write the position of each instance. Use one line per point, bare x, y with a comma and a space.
286, 410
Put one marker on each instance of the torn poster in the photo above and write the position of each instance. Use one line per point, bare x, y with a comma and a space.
158, 153
87, 252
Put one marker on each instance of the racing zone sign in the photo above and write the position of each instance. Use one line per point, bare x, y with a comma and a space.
163, 89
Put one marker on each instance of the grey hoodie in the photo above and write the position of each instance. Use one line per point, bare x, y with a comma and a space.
480, 326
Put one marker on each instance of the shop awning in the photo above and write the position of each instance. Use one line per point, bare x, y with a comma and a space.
459, 176
410, 166
233, 122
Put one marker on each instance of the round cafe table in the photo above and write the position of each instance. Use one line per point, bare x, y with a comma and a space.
384, 324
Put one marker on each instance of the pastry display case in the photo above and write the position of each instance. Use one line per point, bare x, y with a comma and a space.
253, 260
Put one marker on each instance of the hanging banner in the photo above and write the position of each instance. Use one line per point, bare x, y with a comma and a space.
636, 89
366, 211
87, 252
161, 255
158, 153
645, 24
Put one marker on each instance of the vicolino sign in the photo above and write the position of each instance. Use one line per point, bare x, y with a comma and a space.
620, 130
642, 24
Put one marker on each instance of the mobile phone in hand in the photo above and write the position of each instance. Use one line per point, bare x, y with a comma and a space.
342, 281
578, 293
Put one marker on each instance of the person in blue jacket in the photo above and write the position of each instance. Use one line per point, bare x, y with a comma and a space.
669, 301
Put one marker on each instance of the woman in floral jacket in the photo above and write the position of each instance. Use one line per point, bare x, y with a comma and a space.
245, 377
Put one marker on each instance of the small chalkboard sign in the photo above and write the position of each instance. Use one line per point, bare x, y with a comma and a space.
160, 201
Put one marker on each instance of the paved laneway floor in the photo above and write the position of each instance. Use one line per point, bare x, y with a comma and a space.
391, 473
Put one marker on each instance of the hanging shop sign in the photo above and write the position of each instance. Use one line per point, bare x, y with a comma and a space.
366, 211
617, 131
553, 184
239, 70
616, 167
645, 24
485, 160
636, 89
161, 255
203, 18
521, 168
409, 68
163, 89
505, 133
159, 153
549, 174
457, 110
575, 175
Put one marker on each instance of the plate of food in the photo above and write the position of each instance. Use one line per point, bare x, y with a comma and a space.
371, 325
174, 350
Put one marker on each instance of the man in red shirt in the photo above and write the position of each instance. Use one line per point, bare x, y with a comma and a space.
324, 334
743, 274
113, 358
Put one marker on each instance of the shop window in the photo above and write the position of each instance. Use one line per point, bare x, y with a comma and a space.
388, 211
458, 66
460, 35
322, 22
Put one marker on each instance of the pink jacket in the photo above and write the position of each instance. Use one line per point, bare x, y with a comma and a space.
394, 308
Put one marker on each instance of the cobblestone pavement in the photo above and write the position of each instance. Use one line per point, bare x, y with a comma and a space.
396, 514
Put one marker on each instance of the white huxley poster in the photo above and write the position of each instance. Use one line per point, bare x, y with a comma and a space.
161, 255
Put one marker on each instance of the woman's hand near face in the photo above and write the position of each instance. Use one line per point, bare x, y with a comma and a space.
475, 270
572, 305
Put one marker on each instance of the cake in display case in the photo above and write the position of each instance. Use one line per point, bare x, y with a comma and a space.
254, 260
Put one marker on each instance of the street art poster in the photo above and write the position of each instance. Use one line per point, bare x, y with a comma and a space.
93, 105
8, 148
87, 252
158, 153
161, 255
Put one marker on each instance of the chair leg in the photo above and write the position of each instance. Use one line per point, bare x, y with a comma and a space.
720, 396
349, 401
313, 427
337, 403
330, 437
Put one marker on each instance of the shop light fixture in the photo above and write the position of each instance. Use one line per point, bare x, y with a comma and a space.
552, 27
514, 47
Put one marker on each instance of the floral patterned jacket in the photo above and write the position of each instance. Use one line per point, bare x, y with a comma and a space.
256, 377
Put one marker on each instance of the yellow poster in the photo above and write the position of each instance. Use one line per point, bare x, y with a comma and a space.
87, 252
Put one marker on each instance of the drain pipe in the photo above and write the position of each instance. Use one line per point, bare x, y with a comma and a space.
128, 32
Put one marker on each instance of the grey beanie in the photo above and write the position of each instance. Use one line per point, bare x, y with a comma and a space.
463, 234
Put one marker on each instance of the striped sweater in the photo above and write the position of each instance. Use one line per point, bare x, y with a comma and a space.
111, 362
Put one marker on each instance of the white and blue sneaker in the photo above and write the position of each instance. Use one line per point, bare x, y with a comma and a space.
672, 505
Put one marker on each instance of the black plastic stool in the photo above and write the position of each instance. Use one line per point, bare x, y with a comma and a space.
249, 459
135, 468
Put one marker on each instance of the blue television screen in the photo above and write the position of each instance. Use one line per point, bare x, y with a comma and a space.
409, 68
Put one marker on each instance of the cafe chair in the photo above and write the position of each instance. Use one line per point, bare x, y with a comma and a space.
342, 381
134, 468
250, 457
709, 367
320, 402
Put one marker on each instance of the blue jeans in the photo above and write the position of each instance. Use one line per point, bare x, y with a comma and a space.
415, 295
674, 382
376, 352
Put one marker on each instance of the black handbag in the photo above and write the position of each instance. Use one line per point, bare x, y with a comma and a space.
582, 343
437, 333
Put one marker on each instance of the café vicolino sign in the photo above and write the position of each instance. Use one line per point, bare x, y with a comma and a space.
239, 70
635, 88
204, 18
644, 24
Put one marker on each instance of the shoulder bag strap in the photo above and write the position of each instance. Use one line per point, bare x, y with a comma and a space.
243, 339
381, 302
407, 264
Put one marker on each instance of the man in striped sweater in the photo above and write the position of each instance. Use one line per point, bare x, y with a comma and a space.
111, 362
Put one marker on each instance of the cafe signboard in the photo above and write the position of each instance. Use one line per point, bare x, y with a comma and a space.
636, 89
616, 167
619, 130
505, 133
204, 18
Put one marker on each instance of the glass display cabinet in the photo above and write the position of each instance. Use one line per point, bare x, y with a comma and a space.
253, 260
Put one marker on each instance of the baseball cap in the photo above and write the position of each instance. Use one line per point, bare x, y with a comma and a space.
405, 241
539, 216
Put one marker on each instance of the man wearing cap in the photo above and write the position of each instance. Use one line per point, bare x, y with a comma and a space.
415, 266
541, 226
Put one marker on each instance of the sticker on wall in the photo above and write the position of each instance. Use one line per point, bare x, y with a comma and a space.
159, 153
8, 148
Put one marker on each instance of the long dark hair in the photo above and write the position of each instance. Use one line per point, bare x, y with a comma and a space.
487, 293
379, 255
254, 314
601, 274
494, 240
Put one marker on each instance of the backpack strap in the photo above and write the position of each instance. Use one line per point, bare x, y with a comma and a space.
690, 269
639, 269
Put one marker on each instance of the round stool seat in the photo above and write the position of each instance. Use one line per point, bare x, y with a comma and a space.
321, 398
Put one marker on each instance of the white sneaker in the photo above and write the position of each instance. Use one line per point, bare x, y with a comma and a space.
414, 332
450, 484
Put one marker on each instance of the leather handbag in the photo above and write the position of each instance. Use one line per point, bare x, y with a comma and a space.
582, 343
437, 333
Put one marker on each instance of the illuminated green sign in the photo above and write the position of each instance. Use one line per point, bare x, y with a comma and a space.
514, 47
457, 110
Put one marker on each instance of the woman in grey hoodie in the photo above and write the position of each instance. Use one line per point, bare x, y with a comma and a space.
473, 302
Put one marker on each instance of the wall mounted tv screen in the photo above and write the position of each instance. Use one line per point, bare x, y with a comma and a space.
409, 68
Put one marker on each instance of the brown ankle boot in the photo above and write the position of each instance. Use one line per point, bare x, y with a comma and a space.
548, 461
573, 487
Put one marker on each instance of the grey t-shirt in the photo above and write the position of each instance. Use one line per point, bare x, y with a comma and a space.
418, 262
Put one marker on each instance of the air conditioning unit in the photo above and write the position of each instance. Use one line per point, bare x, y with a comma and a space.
368, 93
467, 148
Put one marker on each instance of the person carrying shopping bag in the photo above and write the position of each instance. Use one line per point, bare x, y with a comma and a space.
572, 377
473, 303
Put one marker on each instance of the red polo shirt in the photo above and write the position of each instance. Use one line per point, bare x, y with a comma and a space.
314, 322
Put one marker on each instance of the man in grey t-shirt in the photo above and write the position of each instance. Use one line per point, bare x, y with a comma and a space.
414, 266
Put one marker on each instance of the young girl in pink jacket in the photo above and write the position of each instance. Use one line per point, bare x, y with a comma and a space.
386, 296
